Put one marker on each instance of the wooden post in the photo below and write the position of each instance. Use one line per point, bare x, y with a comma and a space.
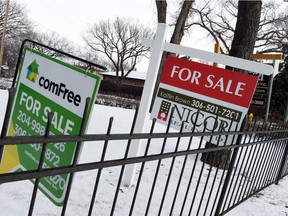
216, 50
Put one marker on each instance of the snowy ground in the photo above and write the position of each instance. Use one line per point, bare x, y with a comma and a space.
273, 201
15, 198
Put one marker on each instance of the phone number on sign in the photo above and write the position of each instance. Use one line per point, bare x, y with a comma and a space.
50, 155
32, 123
202, 105
24, 123
217, 110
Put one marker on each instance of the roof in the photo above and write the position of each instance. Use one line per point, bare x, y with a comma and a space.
132, 75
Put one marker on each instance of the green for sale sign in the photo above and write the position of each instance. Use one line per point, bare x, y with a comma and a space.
48, 85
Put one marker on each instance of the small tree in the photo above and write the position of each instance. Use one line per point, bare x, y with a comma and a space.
120, 41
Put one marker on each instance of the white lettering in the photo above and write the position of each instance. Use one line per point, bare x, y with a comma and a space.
220, 84
185, 74
30, 103
46, 111
239, 88
223, 86
209, 81
174, 70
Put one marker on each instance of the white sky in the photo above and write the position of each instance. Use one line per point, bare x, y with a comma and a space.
71, 18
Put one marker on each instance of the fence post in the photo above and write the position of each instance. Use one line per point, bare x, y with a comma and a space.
40, 164
230, 168
76, 157
146, 98
282, 165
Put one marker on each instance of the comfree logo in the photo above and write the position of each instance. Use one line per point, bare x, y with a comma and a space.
32, 71
60, 90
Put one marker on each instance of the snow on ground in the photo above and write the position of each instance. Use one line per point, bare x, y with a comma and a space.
15, 197
272, 201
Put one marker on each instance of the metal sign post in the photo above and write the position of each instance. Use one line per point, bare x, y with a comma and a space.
146, 98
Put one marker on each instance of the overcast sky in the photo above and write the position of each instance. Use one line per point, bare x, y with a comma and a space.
70, 18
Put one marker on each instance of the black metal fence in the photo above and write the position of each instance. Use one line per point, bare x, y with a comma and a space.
171, 178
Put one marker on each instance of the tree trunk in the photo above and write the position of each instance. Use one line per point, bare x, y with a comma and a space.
178, 32
161, 11
218, 159
243, 43
177, 35
248, 19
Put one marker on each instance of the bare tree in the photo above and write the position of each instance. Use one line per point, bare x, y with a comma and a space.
18, 25
243, 43
86, 54
55, 41
246, 29
219, 19
13, 44
120, 41
161, 11
20, 28
18, 21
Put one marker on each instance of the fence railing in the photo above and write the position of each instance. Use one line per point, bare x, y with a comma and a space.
171, 178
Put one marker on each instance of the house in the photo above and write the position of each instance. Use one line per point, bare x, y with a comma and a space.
130, 87
126, 94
